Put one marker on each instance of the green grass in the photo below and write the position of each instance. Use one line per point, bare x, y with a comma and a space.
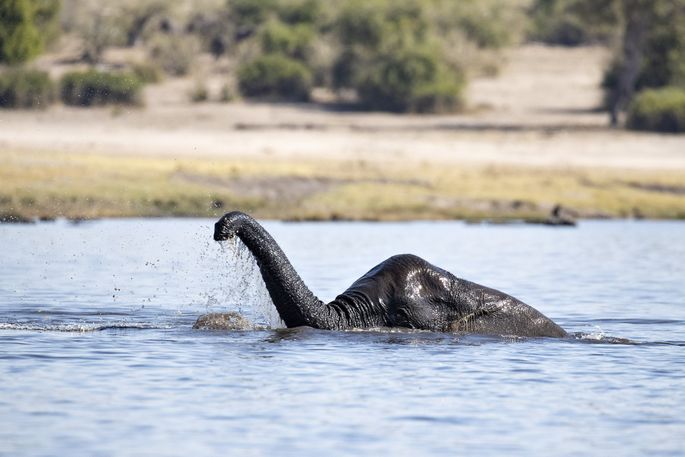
43, 184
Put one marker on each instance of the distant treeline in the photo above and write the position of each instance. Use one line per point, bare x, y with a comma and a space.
390, 55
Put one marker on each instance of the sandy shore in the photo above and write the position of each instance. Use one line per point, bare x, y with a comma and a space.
447, 140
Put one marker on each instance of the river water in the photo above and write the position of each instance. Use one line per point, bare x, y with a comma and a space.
98, 357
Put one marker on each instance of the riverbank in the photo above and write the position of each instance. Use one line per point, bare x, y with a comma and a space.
78, 185
531, 139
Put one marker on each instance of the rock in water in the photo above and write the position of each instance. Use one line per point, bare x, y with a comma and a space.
222, 321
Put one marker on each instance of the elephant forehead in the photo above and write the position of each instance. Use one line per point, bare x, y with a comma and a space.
414, 285
424, 283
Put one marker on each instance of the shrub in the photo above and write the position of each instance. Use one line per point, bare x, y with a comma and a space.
360, 23
93, 87
400, 56
437, 97
664, 53
275, 76
26, 89
405, 23
247, 15
299, 11
660, 110
293, 41
410, 80
346, 69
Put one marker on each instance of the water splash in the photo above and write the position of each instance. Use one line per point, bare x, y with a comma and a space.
597, 335
80, 327
243, 288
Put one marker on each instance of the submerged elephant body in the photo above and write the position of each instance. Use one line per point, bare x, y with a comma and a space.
403, 291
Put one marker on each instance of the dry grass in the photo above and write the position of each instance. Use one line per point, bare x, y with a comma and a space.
43, 184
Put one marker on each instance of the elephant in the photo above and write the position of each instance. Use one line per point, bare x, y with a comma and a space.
403, 291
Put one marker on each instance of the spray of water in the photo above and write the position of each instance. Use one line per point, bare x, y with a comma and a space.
243, 287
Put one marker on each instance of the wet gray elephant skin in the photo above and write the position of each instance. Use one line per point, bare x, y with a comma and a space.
403, 291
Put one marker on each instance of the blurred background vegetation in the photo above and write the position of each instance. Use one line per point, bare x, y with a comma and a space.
398, 56
530, 137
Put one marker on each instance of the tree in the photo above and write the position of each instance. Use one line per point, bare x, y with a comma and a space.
648, 38
651, 53
637, 17
19, 36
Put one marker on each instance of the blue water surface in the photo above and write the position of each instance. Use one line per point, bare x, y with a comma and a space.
98, 356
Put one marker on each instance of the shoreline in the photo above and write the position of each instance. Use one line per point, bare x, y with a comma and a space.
488, 222
87, 186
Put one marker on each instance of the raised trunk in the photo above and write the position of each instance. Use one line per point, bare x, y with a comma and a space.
296, 304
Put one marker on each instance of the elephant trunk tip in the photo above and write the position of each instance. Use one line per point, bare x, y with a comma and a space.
224, 229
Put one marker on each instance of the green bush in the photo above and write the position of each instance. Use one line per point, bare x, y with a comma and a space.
664, 54
275, 76
293, 41
346, 68
372, 24
89, 88
438, 97
659, 110
20, 39
21, 88
299, 11
410, 80
247, 15
360, 23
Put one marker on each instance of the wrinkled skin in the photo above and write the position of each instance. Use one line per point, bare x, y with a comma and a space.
403, 291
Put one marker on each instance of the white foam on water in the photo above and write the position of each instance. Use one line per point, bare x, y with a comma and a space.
79, 327
243, 288
597, 335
